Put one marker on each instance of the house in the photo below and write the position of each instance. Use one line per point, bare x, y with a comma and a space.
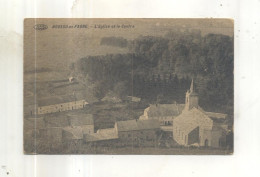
59, 104
138, 132
78, 125
59, 131
196, 126
165, 113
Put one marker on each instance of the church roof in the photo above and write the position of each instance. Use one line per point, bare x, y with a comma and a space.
163, 110
190, 119
216, 117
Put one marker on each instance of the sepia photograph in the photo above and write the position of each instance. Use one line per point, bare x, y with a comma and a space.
128, 86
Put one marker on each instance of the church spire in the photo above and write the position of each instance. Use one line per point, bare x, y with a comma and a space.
192, 98
191, 86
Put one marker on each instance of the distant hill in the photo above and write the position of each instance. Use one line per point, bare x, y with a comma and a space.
114, 41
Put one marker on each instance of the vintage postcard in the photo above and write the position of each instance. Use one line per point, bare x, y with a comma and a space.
128, 86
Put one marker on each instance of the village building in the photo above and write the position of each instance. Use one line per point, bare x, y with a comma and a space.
194, 126
59, 131
73, 125
138, 132
83, 121
59, 104
164, 113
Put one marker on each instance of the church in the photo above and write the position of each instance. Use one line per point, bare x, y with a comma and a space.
196, 127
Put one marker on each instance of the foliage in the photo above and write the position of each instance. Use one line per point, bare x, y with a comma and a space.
164, 66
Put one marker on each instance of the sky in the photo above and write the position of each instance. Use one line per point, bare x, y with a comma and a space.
58, 47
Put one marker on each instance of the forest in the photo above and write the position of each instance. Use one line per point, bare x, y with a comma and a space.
159, 69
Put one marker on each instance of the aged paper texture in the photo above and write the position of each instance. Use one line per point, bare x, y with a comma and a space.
128, 86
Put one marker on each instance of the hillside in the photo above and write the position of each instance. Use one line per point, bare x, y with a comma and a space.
159, 69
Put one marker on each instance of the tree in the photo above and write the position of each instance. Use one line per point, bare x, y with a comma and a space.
121, 89
99, 90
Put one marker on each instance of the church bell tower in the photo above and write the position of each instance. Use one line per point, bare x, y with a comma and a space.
192, 98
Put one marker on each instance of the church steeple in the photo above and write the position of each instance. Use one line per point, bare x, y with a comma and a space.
191, 86
192, 98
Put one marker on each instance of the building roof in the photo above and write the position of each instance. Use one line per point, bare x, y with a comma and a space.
57, 100
190, 119
131, 125
163, 110
79, 119
102, 134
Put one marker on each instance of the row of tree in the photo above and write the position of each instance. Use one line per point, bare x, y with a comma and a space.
164, 67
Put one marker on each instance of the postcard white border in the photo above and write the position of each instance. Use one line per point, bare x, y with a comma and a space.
245, 160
